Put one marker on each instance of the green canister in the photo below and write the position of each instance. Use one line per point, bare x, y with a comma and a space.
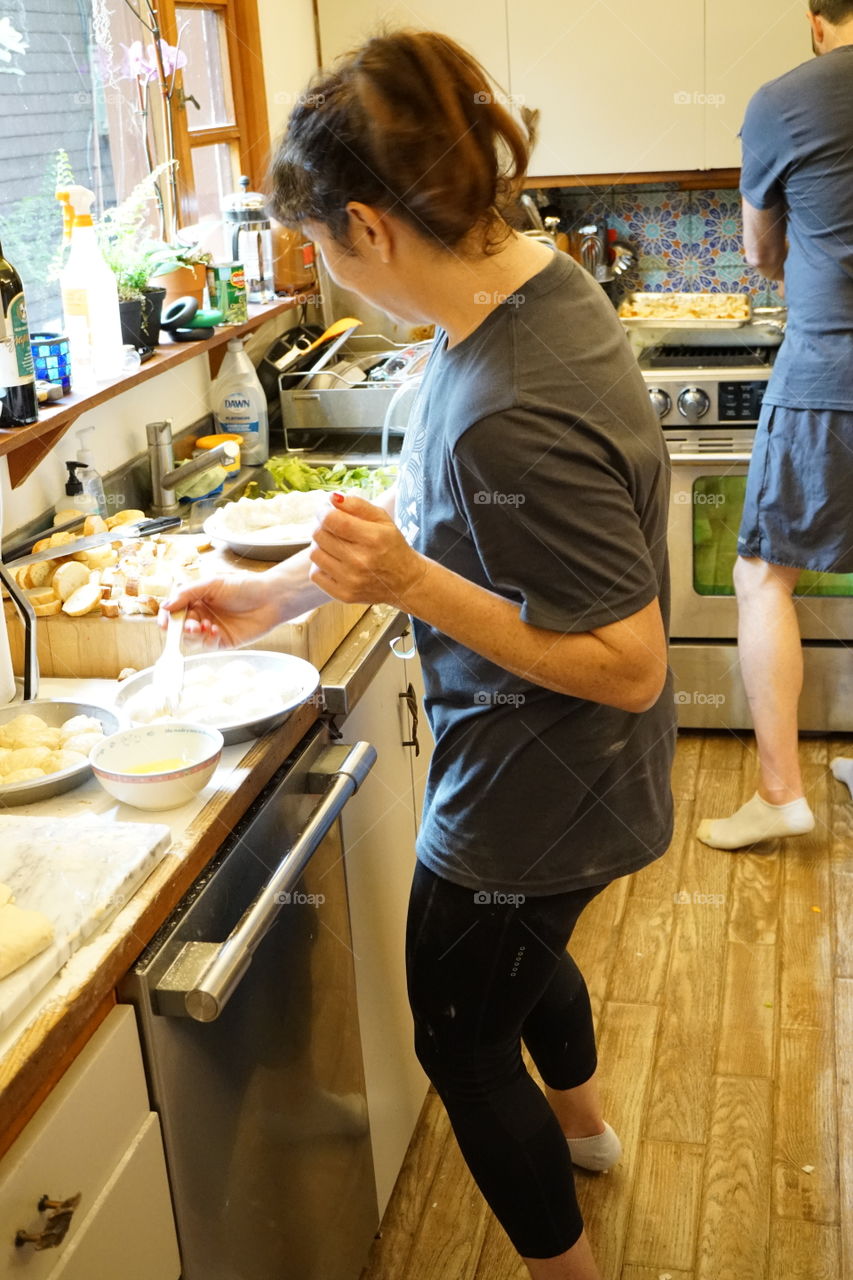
226, 284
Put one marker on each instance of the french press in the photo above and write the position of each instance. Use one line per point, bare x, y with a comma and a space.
251, 240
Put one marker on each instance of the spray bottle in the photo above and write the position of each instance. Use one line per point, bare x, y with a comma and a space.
89, 299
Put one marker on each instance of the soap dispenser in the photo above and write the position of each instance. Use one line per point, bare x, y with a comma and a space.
90, 479
76, 498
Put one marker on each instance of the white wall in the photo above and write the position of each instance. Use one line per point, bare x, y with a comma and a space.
289, 47
289, 43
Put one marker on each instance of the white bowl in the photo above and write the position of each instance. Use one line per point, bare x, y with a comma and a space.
115, 760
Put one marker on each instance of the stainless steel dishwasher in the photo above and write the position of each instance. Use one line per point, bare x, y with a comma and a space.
247, 1010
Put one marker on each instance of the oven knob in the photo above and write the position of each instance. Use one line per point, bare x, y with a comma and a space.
661, 401
693, 404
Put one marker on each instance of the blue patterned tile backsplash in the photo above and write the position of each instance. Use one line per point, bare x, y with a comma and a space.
689, 241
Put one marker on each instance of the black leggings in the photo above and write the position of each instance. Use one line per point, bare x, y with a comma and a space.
483, 976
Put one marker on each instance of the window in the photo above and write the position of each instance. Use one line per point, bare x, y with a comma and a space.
80, 92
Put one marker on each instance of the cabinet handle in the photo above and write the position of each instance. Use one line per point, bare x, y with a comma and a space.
59, 1215
411, 700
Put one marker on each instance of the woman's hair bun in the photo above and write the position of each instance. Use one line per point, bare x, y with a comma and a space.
410, 123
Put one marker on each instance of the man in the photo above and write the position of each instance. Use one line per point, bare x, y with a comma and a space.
797, 188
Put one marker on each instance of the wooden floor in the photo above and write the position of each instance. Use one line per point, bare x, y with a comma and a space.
722, 986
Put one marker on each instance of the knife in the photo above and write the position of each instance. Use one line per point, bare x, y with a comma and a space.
121, 532
21, 548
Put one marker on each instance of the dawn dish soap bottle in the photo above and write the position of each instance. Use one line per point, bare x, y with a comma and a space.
240, 405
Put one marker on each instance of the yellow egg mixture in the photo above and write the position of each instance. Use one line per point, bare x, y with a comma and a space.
161, 766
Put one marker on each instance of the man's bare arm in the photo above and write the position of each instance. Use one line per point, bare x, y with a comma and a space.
765, 239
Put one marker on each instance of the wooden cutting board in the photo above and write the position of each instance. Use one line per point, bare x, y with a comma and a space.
94, 646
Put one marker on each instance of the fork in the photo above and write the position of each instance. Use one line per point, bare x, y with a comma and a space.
167, 676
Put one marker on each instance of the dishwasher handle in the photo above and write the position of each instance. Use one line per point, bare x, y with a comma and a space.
204, 975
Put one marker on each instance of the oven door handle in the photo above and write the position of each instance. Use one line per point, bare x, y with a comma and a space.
713, 459
204, 975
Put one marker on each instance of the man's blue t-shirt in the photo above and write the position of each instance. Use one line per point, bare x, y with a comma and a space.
535, 467
798, 155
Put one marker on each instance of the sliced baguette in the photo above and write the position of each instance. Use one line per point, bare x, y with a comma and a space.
47, 610
69, 578
83, 601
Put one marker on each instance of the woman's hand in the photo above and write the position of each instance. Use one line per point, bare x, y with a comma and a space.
227, 612
358, 555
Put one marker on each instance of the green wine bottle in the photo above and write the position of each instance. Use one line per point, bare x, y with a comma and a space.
18, 401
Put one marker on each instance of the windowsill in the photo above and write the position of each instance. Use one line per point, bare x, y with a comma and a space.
26, 447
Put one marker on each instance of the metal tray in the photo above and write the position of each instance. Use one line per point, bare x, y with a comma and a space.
686, 322
283, 665
54, 713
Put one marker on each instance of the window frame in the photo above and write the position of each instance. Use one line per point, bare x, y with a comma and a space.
249, 133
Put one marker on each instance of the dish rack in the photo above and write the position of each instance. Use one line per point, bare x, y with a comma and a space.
347, 408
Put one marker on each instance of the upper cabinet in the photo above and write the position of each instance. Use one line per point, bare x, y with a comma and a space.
622, 87
619, 84
479, 25
746, 45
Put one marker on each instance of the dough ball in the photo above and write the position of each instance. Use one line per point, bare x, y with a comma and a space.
81, 724
5, 742
26, 724
5, 756
21, 775
65, 759
82, 742
28, 758
50, 738
23, 934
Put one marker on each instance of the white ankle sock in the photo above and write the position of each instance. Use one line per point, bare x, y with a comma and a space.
598, 1153
757, 820
843, 771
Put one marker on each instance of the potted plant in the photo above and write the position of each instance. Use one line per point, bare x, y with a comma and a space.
179, 269
127, 247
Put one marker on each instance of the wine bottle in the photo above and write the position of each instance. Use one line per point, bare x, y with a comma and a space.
18, 401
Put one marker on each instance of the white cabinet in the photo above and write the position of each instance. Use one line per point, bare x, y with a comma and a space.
478, 25
379, 827
745, 46
618, 83
95, 1135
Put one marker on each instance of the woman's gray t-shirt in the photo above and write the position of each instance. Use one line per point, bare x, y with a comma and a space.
534, 466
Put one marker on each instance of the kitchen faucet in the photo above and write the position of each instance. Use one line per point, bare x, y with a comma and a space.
165, 475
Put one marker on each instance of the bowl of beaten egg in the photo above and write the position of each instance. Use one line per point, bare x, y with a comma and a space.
45, 747
158, 766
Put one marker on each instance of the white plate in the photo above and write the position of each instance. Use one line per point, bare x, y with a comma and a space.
295, 674
253, 546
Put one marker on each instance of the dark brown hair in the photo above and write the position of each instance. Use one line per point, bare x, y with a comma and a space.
409, 123
834, 11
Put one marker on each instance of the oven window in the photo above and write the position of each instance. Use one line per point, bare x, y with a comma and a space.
717, 510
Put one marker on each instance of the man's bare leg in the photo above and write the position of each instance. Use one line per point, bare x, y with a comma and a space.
771, 660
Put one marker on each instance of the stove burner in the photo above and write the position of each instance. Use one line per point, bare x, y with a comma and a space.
683, 357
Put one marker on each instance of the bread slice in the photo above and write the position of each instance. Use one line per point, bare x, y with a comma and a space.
83, 600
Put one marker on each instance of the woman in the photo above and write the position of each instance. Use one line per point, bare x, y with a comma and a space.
529, 546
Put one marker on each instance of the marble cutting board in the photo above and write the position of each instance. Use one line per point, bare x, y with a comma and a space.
80, 874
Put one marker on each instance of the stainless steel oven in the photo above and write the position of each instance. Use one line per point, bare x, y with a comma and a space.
708, 402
